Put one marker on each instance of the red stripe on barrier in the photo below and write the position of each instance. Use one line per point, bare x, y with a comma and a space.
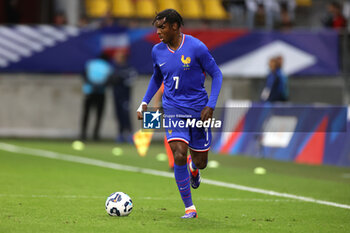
222, 36
313, 151
226, 148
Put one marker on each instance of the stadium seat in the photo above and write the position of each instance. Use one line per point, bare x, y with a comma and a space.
96, 8
213, 9
191, 9
304, 3
122, 8
166, 4
145, 8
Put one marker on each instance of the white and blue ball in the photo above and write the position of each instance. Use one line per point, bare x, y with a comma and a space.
118, 204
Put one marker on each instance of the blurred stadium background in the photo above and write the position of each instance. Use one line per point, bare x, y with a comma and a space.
48, 185
44, 45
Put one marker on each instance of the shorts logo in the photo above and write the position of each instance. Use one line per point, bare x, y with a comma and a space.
151, 120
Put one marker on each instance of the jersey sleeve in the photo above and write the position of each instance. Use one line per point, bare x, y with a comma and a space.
209, 65
155, 82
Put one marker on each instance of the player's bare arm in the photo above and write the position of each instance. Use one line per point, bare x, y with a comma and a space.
207, 113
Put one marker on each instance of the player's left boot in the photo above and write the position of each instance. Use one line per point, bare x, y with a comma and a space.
195, 175
190, 214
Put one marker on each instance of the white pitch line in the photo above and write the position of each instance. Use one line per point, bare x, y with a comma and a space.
115, 166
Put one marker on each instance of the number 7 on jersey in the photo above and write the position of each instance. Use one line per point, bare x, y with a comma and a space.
176, 79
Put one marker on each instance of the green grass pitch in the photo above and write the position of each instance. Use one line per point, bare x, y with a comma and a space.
48, 195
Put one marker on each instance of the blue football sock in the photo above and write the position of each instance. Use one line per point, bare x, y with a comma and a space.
182, 178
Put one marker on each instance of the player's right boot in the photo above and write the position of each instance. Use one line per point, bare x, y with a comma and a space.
195, 175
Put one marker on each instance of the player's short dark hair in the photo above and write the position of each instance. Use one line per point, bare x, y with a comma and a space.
171, 16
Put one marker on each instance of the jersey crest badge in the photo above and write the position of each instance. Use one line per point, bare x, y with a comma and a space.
186, 61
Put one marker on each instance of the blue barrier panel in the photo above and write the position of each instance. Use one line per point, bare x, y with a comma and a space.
304, 134
65, 49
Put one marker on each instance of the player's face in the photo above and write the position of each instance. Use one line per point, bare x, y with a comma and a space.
166, 32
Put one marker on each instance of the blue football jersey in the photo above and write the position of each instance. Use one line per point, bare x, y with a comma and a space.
183, 74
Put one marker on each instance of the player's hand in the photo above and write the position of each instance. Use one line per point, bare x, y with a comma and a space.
207, 113
140, 110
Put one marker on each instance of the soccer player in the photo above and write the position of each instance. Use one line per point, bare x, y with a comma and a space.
276, 87
180, 62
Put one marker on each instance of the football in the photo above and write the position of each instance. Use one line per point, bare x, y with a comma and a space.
118, 204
